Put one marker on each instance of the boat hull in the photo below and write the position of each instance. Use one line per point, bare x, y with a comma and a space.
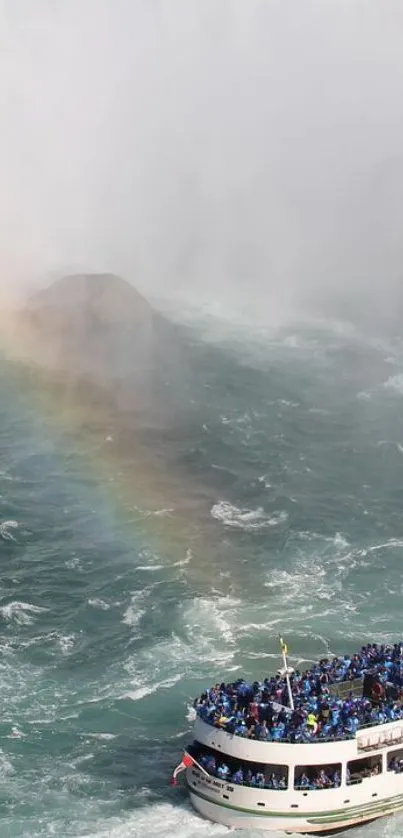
329, 822
370, 796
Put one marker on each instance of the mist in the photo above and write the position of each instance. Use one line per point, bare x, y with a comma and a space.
246, 156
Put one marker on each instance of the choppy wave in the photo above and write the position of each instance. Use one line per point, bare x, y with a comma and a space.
111, 628
135, 611
144, 689
207, 640
97, 602
23, 613
163, 819
246, 519
5, 530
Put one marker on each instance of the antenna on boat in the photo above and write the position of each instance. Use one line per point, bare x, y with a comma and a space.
286, 671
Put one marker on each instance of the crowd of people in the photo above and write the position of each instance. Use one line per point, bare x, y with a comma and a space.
261, 710
261, 777
396, 765
318, 779
242, 775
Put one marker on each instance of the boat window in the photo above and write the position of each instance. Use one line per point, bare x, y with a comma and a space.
359, 769
317, 776
276, 776
241, 772
395, 760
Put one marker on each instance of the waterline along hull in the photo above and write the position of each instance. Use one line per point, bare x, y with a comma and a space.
276, 821
297, 810
312, 752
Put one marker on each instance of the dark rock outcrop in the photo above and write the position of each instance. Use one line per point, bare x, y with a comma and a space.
93, 325
102, 340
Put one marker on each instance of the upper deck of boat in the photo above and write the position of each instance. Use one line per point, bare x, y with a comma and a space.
329, 702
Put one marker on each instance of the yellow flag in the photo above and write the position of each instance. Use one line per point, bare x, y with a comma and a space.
284, 647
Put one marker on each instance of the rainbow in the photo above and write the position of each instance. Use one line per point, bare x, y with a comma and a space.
142, 493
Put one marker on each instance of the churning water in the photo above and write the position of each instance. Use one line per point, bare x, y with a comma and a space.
285, 513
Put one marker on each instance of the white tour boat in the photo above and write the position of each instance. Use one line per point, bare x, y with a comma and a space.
328, 755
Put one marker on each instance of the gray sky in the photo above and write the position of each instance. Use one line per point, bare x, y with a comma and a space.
227, 150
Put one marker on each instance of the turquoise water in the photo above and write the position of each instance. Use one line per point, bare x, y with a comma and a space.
115, 614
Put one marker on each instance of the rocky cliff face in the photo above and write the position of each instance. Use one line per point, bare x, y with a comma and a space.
100, 339
90, 325
121, 383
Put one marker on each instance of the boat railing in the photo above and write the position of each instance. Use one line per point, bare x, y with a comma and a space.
379, 724
316, 740
387, 738
290, 740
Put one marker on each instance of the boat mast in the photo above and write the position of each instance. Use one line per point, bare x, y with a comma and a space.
287, 671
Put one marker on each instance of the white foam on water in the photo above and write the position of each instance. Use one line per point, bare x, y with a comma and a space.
135, 611
209, 619
148, 689
133, 615
162, 513
66, 643
339, 540
191, 714
166, 820
313, 588
5, 528
246, 519
391, 543
99, 603
73, 563
250, 629
23, 613
294, 586
264, 480
182, 562
16, 733
209, 643
163, 819
139, 693
6, 767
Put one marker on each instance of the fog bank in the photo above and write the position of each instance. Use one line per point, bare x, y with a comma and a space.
245, 154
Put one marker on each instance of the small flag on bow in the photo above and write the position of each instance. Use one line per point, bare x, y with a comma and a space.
187, 761
284, 647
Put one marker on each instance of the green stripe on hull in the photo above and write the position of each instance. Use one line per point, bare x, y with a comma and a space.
367, 811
